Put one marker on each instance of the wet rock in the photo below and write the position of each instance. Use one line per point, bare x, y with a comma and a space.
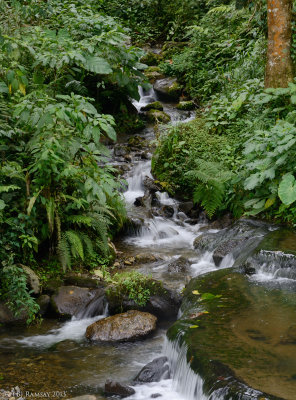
186, 207
181, 265
225, 248
156, 105
32, 279
151, 185
144, 258
52, 285
70, 301
118, 389
202, 242
154, 371
81, 280
155, 395
128, 326
43, 301
167, 211
221, 223
133, 225
157, 117
7, 316
120, 150
186, 105
168, 89
137, 142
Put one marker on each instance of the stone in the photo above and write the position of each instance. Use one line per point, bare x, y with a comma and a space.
186, 105
181, 265
144, 258
168, 89
167, 211
118, 389
225, 248
71, 301
7, 316
128, 326
81, 280
43, 301
155, 371
52, 285
151, 185
155, 395
32, 279
157, 117
186, 207
120, 150
156, 105
151, 58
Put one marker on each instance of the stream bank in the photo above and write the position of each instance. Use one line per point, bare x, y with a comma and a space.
56, 356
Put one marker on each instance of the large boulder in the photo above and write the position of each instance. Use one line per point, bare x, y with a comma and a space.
168, 89
181, 265
43, 302
128, 326
114, 388
154, 371
71, 301
7, 316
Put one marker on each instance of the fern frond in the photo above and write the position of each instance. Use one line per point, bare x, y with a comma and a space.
64, 253
76, 87
75, 243
88, 244
80, 220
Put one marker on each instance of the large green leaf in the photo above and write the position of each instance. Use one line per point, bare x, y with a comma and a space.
287, 189
97, 65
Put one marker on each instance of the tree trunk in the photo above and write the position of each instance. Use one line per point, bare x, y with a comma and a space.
279, 65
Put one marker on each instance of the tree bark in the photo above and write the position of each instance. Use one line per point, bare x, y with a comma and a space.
279, 65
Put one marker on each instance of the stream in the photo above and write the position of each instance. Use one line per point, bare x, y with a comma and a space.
56, 357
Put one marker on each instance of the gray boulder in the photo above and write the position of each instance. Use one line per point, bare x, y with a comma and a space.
181, 265
128, 326
114, 388
154, 371
32, 279
71, 301
168, 89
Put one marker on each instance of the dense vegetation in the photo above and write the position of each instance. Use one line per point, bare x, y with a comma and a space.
60, 200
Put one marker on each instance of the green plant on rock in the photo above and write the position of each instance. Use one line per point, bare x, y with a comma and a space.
135, 286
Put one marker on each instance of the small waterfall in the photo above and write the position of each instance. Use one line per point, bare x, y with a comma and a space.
135, 181
185, 381
146, 97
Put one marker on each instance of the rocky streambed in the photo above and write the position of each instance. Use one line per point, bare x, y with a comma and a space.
235, 333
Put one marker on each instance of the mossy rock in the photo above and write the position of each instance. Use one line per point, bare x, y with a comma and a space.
171, 48
151, 59
156, 105
168, 89
229, 322
186, 105
157, 116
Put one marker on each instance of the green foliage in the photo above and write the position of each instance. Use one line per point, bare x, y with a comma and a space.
135, 286
59, 197
210, 187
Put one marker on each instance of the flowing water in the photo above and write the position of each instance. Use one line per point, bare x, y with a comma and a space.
56, 356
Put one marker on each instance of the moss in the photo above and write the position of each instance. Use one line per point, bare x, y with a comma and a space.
156, 105
186, 105
151, 58
158, 116
175, 90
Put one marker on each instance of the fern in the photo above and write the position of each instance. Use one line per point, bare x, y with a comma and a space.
64, 252
211, 185
76, 244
